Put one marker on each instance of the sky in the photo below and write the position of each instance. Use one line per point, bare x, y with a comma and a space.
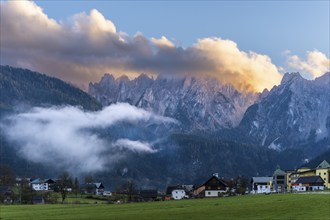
249, 44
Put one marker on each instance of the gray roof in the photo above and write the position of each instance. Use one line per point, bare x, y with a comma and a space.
310, 179
37, 181
279, 172
264, 179
324, 165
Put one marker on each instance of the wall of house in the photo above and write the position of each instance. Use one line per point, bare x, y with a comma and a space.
178, 194
199, 190
324, 174
262, 189
213, 193
40, 186
302, 187
289, 180
298, 188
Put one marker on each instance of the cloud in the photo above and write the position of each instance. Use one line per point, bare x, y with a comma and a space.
83, 47
63, 137
162, 42
136, 146
315, 65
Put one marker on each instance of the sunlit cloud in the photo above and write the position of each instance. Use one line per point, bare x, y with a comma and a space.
162, 42
315, 65
83, 47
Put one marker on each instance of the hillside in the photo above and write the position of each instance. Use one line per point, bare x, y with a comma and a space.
24, 87
295, 114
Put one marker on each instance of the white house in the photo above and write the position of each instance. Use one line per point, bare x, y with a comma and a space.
42, 185
176, 192
261, 184
39, 185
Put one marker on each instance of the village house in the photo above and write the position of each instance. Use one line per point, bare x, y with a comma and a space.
92, 188
261, 185
279, 181
293, 176
308, 183
322, 170
214, 187
42, 185
176, 192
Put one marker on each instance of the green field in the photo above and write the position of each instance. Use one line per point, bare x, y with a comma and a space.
277, 206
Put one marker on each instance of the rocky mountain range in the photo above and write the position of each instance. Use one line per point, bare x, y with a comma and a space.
220, 129
293, 114
198, 103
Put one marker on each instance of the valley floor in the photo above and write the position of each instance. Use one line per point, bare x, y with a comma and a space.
275, 206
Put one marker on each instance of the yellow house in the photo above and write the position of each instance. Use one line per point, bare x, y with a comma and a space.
323, 170
288, 179
293, 176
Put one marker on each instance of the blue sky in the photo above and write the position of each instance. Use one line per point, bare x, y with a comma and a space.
248, 44
268, 27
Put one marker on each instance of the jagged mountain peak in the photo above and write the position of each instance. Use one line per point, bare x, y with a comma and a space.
122, 78
200, 102
323, 80
290, 77
143, 76
294, 113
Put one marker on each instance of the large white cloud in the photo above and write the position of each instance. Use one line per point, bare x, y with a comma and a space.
315, 65
63, 137
85, 46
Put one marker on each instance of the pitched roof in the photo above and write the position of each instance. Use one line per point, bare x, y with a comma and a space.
218, 181
171, 188
37, 181
279, 172
309, 179
99, 185
264, 179
323, 165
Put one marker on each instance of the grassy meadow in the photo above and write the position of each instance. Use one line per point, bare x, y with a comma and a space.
276, 206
